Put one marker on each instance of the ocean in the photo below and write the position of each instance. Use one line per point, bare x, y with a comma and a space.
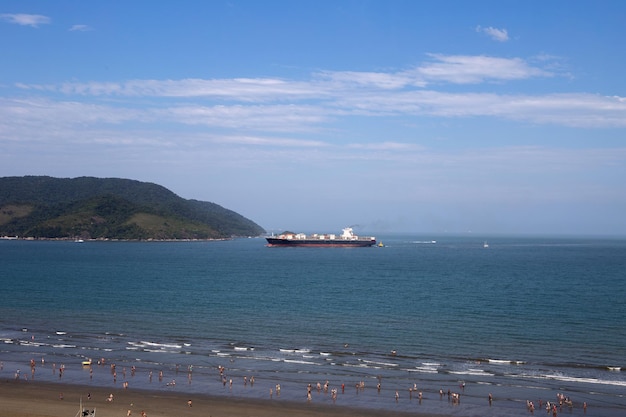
524, 319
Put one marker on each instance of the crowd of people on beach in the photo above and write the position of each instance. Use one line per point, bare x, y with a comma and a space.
555, 407
453, 397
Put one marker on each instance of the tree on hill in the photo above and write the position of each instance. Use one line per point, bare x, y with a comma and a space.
41, 206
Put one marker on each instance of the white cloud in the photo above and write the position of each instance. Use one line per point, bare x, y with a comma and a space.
325, 85
277, 118
321, 103
390, 81
33, 20
80, 28
386, 146
454, 69
245, 89
473, 69
500, 35
572, 110
265, 141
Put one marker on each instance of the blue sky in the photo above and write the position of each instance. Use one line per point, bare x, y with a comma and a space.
481, 117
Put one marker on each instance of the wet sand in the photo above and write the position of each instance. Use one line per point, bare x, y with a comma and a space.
39, 399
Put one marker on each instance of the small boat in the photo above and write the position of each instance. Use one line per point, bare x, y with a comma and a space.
485, 245
87, 362
380, 244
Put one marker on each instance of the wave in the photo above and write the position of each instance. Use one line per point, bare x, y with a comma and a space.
386, 364
163, 345
294, 350
505, 362
424, 370
474, 372
63, 346
299, 362
29, 343
585, 380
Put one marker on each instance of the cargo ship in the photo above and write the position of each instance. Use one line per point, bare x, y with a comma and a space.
346, 239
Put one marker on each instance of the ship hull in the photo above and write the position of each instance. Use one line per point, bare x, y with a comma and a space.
320, 243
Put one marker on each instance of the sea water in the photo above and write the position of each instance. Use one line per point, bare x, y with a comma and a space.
523, 319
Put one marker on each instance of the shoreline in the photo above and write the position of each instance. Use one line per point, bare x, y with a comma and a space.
43, 399
113, 239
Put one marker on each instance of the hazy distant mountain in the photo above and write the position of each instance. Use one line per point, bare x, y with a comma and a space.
87, 207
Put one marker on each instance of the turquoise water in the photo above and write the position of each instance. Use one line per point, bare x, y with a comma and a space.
524, 319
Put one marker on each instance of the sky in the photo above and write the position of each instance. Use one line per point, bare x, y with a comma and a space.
430, 117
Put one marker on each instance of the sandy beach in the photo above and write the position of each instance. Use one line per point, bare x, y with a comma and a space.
37, 399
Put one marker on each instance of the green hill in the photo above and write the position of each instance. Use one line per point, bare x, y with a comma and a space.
113, 208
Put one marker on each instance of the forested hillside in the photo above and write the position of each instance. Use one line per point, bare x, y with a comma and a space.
112, 208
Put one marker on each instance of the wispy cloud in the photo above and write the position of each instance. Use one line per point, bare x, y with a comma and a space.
451, 69
500, 35
473, 69
282, 105
387, 146
268, 117
245, 89
23, 19
80, 28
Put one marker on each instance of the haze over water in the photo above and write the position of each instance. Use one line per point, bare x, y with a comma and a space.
524, 319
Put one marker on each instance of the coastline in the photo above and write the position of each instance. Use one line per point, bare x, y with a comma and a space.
42, 399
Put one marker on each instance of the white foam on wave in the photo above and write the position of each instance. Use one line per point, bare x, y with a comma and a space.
476, 372
295, 350
614, 368
63, 346
360, 365
161, 345
160, 351
505, 362
299, 362
379, 363
31, 343
241, 348
566, 378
